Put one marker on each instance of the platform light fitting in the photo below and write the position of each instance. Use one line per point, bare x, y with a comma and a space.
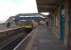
45, 13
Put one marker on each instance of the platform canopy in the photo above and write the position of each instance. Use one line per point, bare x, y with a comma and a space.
47, 5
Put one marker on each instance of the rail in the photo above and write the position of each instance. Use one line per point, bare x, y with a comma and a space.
26, 43
23, 43
10, 35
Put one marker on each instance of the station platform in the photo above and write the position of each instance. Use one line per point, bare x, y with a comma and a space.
43, 39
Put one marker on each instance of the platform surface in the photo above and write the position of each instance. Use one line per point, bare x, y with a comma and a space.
45, 40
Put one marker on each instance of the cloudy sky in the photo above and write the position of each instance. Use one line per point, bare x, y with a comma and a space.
12, 7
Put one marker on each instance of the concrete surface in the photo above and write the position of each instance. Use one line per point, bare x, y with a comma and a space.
42, 39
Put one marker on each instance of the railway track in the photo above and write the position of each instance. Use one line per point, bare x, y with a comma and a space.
11, 45
15, 40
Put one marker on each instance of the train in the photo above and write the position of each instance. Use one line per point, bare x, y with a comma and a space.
25, 20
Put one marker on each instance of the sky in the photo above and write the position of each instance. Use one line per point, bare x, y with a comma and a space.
12, 7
